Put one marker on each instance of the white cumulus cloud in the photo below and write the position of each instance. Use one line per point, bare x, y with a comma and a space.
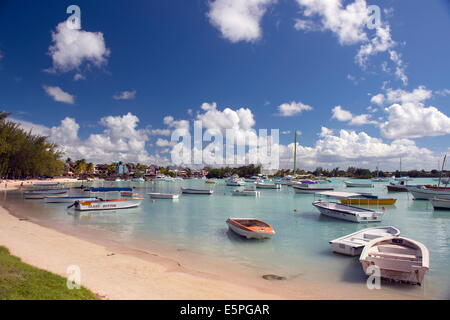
238, 20
59, 95
125, 95
72, 47
293, 108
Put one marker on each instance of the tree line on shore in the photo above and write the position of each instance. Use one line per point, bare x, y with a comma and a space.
24, 154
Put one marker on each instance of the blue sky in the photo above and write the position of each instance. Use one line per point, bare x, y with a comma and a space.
173, 56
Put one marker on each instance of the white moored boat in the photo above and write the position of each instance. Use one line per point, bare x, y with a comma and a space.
235, 181
306, 189
350, 184
157, 195
107, 204
264, 185
348, 213
68, 199
424, 193
42, 193
250, 228
398, 258
196, 191
440, 204
245, 192
354, 243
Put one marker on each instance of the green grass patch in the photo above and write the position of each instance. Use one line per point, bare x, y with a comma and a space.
20, 281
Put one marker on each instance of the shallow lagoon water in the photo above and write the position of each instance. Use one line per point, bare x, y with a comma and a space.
197, 223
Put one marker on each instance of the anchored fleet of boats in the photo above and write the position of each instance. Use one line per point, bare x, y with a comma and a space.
397, 258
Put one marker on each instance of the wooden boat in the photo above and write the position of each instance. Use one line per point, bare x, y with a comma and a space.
210, 181
250, 228
440, 204
348, 213
350, 184
398, 258
107, 204
370, 202
196, 191
306, 189
354, 243
157, 195
68, 199
423, 193
245, 192
265, 185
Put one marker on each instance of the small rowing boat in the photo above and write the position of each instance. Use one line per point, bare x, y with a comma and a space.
397, 258
245, 192
196, 191
369, 202
157, 195
354, 243
68, 199
251, 228
350, 184
441, 204
107, 204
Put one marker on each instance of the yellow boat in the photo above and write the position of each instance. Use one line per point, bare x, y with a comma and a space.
364, 201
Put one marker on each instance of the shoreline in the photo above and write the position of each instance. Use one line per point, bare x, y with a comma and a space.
108, 266
117, 275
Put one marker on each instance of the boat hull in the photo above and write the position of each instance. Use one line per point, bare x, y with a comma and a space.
108, 204
369, 202
403, 259
163, 195
348, 215
303, 190
268, 186
68, 199
245, 193
440, 204
196, 191
349, 184
248, 233
428, 194
353, 244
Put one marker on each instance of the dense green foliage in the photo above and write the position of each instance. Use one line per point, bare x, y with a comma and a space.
23, 154
244, 171
361, 173
20, 281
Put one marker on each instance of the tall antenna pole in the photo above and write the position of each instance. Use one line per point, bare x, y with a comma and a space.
295, 150
442, 170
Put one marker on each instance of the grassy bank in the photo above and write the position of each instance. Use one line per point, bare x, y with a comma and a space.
20, 281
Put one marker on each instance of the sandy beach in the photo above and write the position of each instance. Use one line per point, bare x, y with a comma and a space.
15, 184
113, 276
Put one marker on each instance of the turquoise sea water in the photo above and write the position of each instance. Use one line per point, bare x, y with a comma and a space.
197, 223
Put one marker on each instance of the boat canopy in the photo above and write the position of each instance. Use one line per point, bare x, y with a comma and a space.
339, 195
110, 189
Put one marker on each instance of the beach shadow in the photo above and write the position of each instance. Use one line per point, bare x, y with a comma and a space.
354, 272
234, 237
